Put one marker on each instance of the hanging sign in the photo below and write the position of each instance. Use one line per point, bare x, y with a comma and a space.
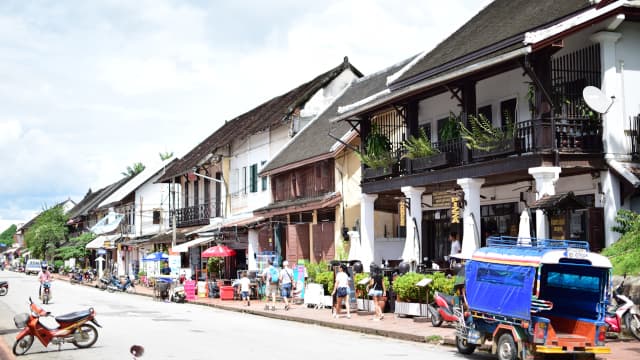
402, 212
455, 210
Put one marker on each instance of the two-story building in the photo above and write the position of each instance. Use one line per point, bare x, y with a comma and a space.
219, 176
501, 101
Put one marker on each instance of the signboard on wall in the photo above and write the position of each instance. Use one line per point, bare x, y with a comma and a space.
455, 210
558, 225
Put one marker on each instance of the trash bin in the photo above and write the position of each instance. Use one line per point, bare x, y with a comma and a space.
226, 292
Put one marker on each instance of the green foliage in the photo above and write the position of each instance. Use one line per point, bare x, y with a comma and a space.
47, 233
405, 286
76, 247
7, 236
214, 265
377, 151
627, 220
58, 264
357, 278
418, 147
483, 136
625, 253
165, 155
451, 129
326, 279
135, 169
315, 268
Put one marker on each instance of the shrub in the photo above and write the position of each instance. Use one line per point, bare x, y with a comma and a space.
625, 253
314, 268
406, 289
326, 279
58, 264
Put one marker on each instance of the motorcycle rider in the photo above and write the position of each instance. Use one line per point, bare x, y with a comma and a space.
43, 276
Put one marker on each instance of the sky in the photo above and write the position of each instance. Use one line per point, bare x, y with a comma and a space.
88, 88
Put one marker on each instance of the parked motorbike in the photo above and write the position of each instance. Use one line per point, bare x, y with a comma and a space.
89, 275
45, 293
624, 315
104, 282
116, 285
76, 277
179, 294
441, 309
4, 288
73, 328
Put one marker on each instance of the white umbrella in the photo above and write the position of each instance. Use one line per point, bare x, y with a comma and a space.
471, 237
524, 231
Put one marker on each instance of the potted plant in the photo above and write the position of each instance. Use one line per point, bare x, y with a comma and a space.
412, 299
213, 267
451, 129
485, 140
377, 156
421, 153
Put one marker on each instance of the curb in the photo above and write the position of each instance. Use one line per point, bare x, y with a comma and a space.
5, 352
447, 340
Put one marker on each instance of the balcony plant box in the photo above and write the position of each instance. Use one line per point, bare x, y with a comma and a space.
378, 172
431, 162
502, 147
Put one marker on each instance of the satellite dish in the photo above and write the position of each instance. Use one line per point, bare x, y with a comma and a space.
596, 99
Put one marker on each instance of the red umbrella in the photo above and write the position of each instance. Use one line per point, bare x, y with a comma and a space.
218, 251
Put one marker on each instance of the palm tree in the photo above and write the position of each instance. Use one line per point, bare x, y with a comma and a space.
134, 170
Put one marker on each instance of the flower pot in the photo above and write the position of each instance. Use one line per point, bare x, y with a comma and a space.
431, 162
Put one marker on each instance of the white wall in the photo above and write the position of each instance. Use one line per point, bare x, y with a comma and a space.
149, 197
505, 86
628, 54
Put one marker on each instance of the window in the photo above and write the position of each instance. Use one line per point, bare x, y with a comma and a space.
487, 112
253, 178
156, 217
508, 112
244, 180
264, 178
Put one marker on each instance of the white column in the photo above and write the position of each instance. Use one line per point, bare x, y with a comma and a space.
546, 178
252, 246
612, 122
367, 240
411, 251
611, 204
471, 217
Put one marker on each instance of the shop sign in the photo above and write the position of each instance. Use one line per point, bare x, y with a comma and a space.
402, 212
101, 252
455, 210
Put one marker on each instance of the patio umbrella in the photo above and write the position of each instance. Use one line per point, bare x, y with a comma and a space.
524, 231
156, 256
218, 251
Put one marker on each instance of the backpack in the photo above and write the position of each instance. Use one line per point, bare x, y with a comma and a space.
273, 272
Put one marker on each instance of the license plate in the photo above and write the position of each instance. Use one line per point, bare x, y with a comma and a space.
576, 253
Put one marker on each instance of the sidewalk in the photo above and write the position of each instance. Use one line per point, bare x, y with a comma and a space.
404, 328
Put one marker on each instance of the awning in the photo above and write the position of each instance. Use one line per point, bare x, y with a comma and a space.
167, 236
103, 241
185, 246
561, 202
107, 224
630, 172
299, 205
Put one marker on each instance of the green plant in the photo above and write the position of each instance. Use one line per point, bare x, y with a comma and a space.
315, 268
625, 253
58, 264
377, 151
627, 220
418, 147
214, 264
405, 286
326, 279
451, 128
483, 136
142, 273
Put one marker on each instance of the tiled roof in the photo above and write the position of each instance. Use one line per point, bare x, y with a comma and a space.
501, 24
92, 199
314, 140
266, 115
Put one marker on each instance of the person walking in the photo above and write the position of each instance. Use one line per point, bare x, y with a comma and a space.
271, 277
286, 283
341, 290
245, 285
376, 289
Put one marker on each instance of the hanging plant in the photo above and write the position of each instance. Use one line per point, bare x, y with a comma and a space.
483, 136
451, 128
419, 147
377, 152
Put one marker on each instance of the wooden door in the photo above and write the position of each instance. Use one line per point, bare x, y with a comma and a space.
323, 241
595, 230
297, 244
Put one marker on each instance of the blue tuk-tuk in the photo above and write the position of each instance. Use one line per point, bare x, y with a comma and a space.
534, 296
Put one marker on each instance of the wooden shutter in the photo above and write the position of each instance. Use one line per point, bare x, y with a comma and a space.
297, 243
323, 241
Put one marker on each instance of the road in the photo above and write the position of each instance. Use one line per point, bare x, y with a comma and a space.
185, 331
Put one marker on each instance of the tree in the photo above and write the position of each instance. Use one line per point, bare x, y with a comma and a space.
165, 155
625, 253
134, 169
7, 236
47, 233
76, 247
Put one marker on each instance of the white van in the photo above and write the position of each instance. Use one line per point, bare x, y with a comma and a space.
33, 266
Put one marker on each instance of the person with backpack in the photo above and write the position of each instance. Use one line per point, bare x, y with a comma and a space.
271, 277
286, 283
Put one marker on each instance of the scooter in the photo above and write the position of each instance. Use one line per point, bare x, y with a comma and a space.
4, 288
73, 328
76, 277
89, 275
441, 309
626, 314
179, 294
45, 293
117, 285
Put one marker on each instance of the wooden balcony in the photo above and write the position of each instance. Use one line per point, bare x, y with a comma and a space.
192, 215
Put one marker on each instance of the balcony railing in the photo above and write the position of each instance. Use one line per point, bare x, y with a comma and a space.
567, 135
192, 215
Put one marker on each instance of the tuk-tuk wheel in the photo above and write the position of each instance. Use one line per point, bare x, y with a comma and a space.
464, 347
507, 349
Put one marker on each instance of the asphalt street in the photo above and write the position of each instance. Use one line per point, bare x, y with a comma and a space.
186, 331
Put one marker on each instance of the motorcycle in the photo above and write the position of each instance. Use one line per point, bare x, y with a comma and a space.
442, 309
73, 328
104, 282
76, 277
4, 288
625, 314
89, 275
45, 293
178, 295
117, 285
